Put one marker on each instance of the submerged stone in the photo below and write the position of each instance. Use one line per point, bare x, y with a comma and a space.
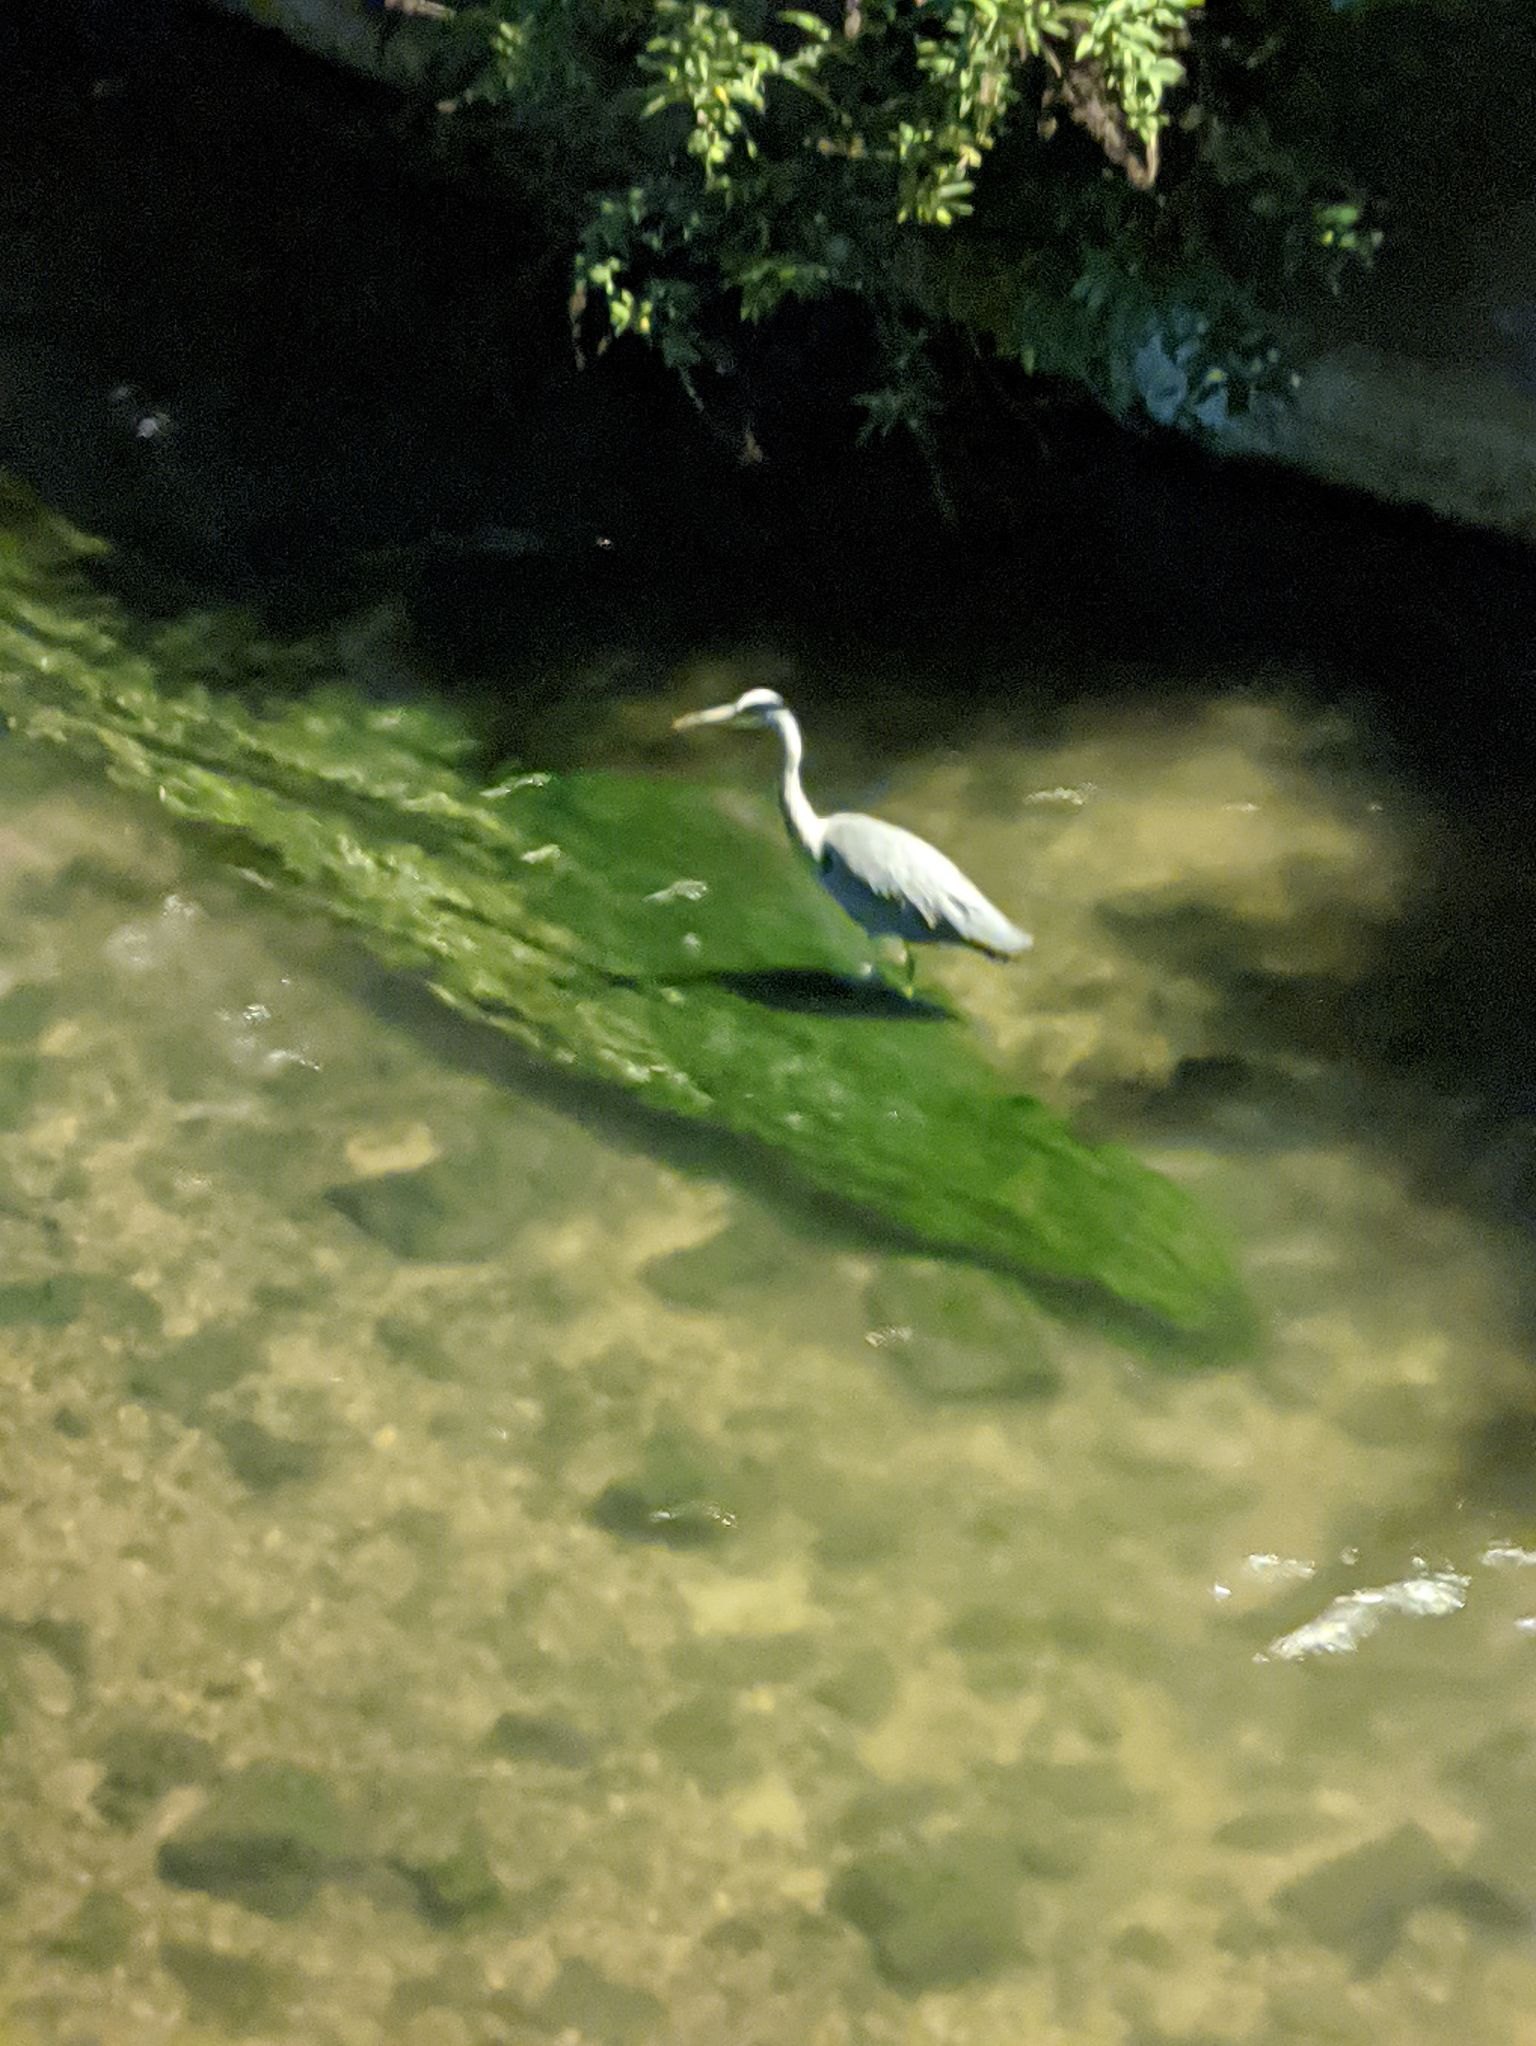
1390, 1416
1146, 1947
534, 1737
860, 1531
442, 1214
141, 1762
732, 1662
1358, 1902
290, 1295
25, 1013
862, 1689
682, 1495
51, 1303
959, 1334
886, 1810
1075, 1790
1497, 1782
1268, 1832
67, 1641
1505, 1855
458, 1887
184, 1375
263, 1460
587, 2004
702, 1737
418, 1348
741, 1262
677, 1523
990, 1630
1056, 1817
268, 1838
100, 1932
1498, 1770
1489, 1908
935, 1917
237, 1992
19, 1075
999, 1650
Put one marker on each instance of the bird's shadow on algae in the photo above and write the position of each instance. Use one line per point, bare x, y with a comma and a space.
814, 991
821, 1222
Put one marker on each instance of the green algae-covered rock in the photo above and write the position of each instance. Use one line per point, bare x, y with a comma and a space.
625, 930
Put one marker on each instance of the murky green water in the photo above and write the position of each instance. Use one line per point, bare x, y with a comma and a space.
471, 1581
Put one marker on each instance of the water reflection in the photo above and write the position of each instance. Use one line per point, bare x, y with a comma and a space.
476, 1575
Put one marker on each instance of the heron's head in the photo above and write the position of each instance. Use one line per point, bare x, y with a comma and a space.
755, 707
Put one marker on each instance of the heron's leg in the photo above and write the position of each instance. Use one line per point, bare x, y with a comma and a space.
910, 964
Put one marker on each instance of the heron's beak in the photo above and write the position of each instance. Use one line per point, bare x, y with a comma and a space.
721, 714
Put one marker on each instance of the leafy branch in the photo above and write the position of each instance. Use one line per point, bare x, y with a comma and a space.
711, 159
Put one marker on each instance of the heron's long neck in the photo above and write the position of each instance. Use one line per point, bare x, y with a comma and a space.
804, 825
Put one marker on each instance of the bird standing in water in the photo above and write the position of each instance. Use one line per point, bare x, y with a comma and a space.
891, 882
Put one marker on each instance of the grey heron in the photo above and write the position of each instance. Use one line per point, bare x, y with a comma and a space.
891, 882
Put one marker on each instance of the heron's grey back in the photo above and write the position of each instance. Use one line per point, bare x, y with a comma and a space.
897, 885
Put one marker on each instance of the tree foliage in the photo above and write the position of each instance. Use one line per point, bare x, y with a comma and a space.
1093, 185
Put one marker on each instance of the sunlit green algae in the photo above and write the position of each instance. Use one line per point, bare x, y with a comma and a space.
622, 928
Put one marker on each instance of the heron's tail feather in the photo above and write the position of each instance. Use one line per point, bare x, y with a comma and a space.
1007, 943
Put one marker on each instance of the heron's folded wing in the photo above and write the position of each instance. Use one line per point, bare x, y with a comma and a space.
899, 866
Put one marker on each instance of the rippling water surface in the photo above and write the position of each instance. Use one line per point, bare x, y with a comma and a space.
474, 1578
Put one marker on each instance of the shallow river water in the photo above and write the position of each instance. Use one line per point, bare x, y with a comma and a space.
470, 1580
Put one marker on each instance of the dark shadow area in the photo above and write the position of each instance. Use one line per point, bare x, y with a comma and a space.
242, 337
811, 991
831, 994
1438, 1011
1499, 1468
313, 370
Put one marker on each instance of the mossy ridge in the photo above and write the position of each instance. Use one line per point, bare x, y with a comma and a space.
583, 954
